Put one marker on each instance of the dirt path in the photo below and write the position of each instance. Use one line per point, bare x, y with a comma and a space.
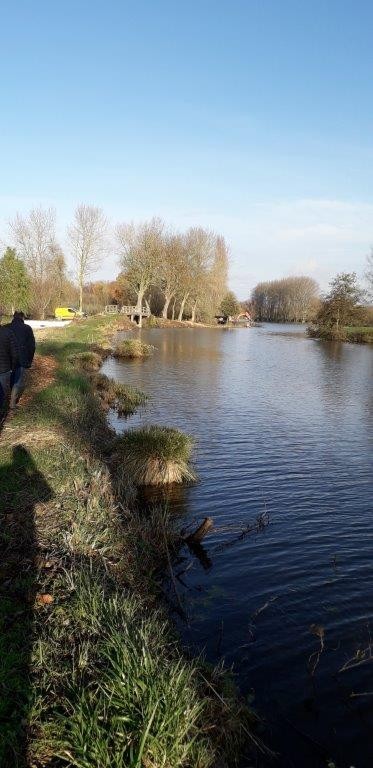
40, 376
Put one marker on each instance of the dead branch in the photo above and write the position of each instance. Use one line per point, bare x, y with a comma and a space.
201, 531
318, 631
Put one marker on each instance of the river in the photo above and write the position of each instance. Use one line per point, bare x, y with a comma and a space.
284, 430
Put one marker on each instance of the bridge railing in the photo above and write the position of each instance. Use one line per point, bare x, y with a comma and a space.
130, 310
133, 310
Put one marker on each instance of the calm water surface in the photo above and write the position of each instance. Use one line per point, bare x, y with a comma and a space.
284, 424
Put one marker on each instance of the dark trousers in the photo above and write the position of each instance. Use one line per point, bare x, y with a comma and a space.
17, 381
4, 387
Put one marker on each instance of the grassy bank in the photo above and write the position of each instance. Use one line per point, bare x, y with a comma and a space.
353, 334
92, 674
362, 335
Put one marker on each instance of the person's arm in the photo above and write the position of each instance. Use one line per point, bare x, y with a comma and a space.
30, 344
13, 350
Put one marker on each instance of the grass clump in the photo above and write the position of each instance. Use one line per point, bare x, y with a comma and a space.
132, 349
123, 398
156, 455
87, 361
129, 399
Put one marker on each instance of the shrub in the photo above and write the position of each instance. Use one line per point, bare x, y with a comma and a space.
156, 455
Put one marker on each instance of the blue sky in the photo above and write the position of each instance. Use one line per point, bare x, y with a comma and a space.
252, 117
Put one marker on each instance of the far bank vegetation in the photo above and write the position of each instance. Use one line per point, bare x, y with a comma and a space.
291, 299
176, 275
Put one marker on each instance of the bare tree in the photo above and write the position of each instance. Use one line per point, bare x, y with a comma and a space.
171, 269
88, 242
201, 244
216, 279
288, 299
35, 238
141, 249
369, 272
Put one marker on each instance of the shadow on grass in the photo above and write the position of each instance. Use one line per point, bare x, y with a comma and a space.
22, 486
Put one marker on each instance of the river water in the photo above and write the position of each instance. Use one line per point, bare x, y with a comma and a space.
284, 430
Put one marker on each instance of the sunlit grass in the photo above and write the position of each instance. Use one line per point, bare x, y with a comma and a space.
129, 697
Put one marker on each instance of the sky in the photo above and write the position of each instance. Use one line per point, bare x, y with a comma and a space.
251, 117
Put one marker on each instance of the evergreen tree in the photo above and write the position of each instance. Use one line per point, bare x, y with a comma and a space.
14, 282
230, 304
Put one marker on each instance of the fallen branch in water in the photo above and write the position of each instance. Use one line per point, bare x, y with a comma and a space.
357, 695
261, 522
362, 656
318, 631
201, 531
263, 607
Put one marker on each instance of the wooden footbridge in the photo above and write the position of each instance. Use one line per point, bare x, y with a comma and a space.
133, 312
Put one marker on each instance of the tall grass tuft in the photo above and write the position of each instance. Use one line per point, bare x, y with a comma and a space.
132, 349
155, 455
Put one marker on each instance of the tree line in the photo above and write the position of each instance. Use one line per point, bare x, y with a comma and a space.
290, 299
179, 273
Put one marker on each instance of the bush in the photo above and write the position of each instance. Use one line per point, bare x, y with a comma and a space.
156, 455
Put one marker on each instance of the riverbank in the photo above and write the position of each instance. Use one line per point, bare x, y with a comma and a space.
92, 673
352, 334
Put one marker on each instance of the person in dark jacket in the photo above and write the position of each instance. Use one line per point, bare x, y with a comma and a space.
9, 360
26, 344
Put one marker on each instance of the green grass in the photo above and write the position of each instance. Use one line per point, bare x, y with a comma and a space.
132, 695
93, 676
360, 335
156, 455
132, 349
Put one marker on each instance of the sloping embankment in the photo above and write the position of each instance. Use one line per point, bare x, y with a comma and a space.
92, 674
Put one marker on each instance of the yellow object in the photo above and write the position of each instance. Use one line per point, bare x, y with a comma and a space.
66, 313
